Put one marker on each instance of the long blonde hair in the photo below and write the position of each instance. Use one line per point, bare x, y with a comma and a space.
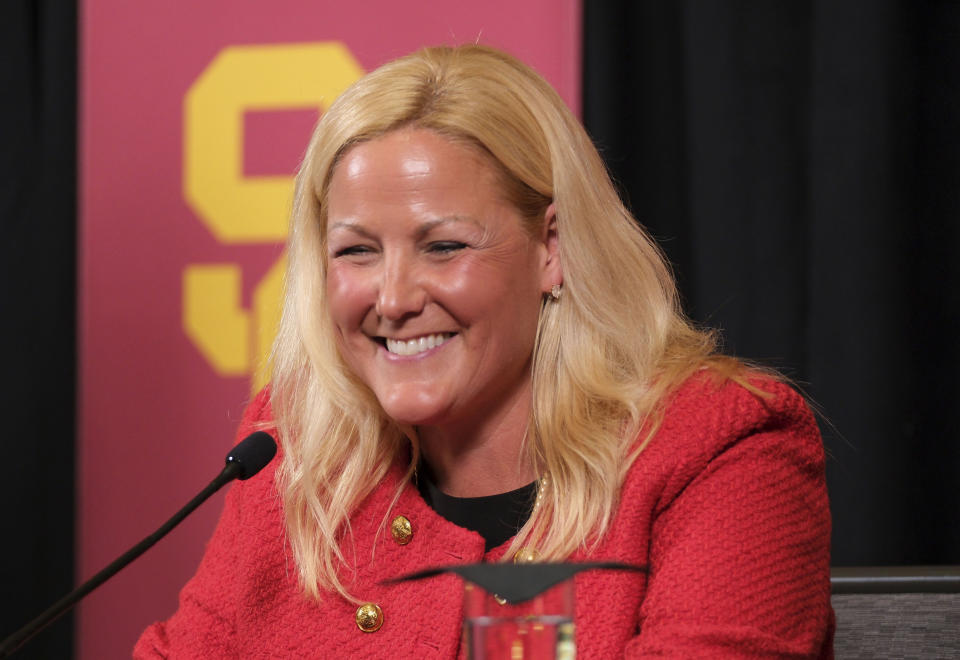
606, 353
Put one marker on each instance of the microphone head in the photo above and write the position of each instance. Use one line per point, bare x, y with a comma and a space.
252, 454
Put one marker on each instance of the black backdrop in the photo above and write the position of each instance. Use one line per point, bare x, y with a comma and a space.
800, 162
37, 211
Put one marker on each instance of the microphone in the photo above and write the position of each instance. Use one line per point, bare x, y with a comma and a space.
246, 459
250, 456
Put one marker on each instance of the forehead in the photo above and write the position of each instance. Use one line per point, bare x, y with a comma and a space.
410, 152
411, 166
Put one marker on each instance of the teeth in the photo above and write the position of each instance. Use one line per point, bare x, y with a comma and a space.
418, 345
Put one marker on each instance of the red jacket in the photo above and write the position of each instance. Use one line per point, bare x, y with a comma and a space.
727, 505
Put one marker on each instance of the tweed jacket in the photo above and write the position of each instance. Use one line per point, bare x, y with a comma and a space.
726, 505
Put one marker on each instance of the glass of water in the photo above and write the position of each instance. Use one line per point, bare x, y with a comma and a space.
537, 629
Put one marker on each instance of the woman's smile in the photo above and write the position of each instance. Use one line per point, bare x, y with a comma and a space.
417, 345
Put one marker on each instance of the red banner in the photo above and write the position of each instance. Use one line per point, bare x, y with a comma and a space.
194, 115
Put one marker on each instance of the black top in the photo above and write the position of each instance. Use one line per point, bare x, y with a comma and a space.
495, 517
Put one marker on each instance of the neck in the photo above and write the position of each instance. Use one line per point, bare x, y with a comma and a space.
481, 456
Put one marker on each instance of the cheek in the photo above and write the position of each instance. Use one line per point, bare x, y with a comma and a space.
502, 276
504, 299
471, 292
349, 298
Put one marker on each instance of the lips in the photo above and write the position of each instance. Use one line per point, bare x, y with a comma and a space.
417, 344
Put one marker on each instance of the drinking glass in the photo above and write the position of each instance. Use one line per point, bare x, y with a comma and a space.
537, 629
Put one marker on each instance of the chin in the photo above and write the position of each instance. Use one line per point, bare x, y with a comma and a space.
415, 413
414, 418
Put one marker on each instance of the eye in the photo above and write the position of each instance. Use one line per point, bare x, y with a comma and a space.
445, 247
352, 250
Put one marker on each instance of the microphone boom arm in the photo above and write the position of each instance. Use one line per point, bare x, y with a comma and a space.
243, 462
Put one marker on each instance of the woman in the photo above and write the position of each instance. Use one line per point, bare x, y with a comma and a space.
477, 337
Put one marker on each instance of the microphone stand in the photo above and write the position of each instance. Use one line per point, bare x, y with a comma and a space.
22, 636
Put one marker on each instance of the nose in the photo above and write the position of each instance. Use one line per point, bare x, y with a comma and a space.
401, 291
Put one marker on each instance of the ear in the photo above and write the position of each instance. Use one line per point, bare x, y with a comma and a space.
552, 273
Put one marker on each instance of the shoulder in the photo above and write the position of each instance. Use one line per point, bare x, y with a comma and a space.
710, 421
257, 496
728, 505
258, 415
710, 404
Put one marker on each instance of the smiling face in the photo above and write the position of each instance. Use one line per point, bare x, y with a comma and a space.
433, 282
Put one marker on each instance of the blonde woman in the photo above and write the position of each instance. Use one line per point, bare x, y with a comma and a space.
482, 358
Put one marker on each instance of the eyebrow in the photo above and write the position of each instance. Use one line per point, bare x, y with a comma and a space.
347, 225
422, 230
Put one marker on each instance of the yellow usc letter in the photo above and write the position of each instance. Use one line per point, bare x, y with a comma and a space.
239, 209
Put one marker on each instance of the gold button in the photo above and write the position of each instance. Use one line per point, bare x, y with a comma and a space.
369, 617
526, 556
402, 530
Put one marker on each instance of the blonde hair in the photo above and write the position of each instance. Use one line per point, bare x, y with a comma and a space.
606, 354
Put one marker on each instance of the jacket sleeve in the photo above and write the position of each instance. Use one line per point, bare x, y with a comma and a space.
739, 549
204, 624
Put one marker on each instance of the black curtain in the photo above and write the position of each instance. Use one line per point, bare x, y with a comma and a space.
800, 164
38, 210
